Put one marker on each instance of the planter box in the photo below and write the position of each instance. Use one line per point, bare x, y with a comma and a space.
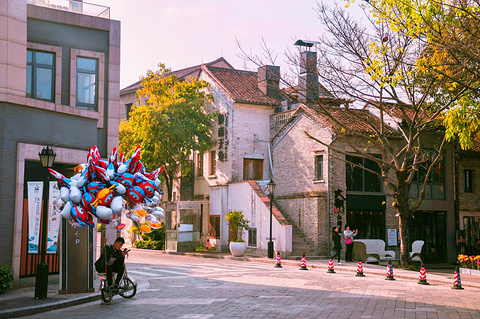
469, 271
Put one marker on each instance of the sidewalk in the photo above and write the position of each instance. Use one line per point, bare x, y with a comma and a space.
21, 302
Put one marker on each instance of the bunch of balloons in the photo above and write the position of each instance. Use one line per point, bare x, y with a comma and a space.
103, 189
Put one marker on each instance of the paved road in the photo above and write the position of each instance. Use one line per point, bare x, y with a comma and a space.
172, 286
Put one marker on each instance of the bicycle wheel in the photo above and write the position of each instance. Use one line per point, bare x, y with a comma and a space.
128, 288
107, 294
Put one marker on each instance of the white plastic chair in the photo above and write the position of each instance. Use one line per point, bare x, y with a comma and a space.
416, 250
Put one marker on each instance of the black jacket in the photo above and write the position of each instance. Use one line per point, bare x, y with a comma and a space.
336, 240
107, 253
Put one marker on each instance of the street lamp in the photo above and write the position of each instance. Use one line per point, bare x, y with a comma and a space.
47, 157
271, 189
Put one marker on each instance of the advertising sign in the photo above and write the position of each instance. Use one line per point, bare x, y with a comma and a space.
35, 193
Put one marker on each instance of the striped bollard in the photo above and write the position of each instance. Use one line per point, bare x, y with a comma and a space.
389, 271
457, 281
330, 270
278, 264
303, 264
423, 276
360, 269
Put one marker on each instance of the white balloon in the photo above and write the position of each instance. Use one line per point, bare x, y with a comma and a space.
65, 194
117, 204
75, 195
151, 218
104, 212
134, 217
120, 189
65, 213
157, 182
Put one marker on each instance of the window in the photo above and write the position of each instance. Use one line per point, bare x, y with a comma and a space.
40, 75
435, 188
214, 226
87, 70
468, 181
252, 169
361, 180
252, 237
370, 223
128, 108
199, 164
318, 167
213, 163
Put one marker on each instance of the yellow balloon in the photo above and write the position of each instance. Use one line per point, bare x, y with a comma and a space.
145, 229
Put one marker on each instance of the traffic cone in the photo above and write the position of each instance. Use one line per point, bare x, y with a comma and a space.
303, 265
360, 269
389, 271
457, 281
423, 276
330, 270
278, 264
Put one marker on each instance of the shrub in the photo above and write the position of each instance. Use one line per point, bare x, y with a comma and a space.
149, 244
6, 278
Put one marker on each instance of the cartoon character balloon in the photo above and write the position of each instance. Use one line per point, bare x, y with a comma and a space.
104, 189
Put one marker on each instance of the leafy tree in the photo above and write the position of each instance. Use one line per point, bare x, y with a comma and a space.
450, 32
171, 123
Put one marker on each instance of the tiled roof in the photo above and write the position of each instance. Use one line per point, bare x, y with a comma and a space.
241, 86
181, 74
349, 120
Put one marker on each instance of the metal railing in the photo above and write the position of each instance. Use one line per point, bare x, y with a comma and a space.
74, 6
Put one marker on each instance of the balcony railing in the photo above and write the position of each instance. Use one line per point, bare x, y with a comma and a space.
74, 6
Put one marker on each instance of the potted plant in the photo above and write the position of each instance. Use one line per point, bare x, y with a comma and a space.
237, 224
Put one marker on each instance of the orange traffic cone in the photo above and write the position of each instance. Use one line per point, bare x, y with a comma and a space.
303, 265
278, 264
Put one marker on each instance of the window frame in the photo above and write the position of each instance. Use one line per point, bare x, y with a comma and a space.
100, 99
87, 72
35, 80
199, 165
361, 161
57, 76
318, 168
468, 181
128, 109
212, 167
416, 184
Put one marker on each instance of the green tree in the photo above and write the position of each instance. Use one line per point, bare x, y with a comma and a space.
450, 33
171, 124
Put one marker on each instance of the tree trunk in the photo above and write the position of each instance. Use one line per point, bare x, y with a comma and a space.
402, 206
169, 184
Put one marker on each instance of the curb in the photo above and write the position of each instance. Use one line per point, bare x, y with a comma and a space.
25, 311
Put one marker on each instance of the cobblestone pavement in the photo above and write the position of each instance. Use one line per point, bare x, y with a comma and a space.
172, 286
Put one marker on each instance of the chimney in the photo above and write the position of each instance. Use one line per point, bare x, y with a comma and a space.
269, 80
308, 78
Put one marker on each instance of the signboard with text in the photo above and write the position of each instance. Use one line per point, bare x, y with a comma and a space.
392, 239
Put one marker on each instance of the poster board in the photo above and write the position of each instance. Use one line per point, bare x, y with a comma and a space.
392, 238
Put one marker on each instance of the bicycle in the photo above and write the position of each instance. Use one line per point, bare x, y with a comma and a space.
127, 287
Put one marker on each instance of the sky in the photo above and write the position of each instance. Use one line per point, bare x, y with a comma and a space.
185, 33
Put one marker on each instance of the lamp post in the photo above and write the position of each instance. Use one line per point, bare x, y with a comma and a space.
271, 189
47, 157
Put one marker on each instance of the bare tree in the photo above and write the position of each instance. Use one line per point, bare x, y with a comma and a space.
369, 67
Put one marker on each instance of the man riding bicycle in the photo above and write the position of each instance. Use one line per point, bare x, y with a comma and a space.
113, 258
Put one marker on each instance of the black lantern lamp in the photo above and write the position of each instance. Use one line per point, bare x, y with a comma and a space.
47, 157
271, 190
